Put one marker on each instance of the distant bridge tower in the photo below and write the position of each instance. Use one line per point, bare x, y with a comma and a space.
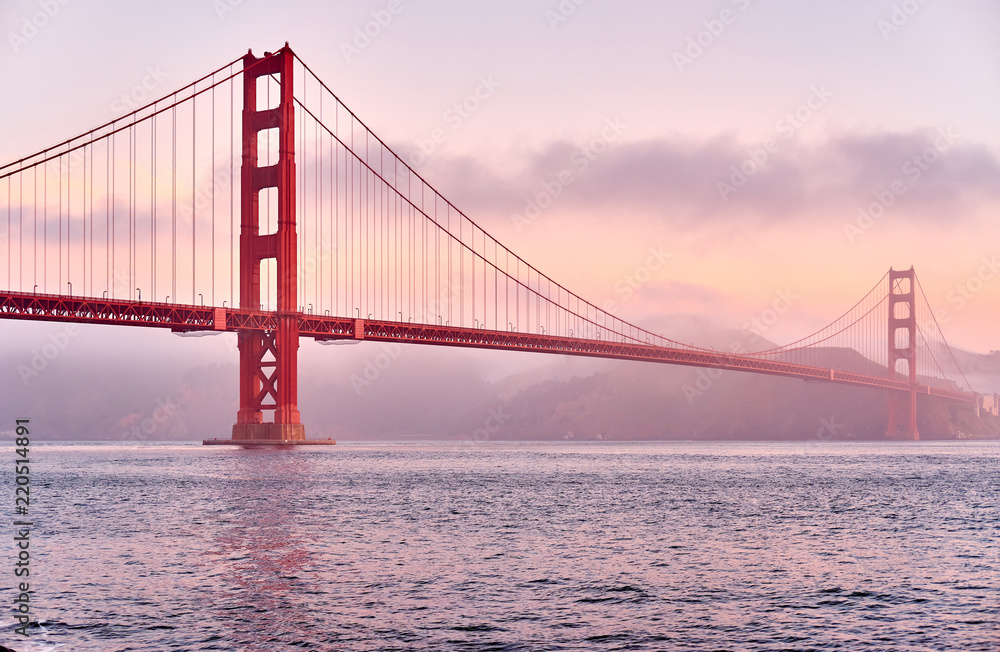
268, 359
902, 321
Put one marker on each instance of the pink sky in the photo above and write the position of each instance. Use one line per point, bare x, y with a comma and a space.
835, 101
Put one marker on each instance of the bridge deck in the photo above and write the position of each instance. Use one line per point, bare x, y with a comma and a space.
179, 317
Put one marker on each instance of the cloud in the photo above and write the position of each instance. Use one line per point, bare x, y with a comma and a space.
685, 182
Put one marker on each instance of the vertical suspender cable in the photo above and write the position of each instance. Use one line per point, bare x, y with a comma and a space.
20, 229
8, 234
271, 194
301, 196
173, 203
232, 190
112, 271
152, 208
213, 190
45, 227
194, 193
69, 222
318, 267
107, 216
336, 195
335, 183
131, 194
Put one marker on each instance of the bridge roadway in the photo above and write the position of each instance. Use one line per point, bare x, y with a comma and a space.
186, 318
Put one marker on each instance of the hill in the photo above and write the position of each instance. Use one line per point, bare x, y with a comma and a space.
378, 391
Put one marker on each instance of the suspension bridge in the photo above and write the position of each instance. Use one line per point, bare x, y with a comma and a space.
254, 201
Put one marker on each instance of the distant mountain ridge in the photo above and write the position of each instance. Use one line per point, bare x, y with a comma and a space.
362, 392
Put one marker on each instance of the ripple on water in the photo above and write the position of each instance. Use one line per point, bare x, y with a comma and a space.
519, 547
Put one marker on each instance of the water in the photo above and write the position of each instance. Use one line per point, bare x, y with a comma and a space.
664, 546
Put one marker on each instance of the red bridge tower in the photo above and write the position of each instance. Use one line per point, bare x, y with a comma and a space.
902, 320
268, 359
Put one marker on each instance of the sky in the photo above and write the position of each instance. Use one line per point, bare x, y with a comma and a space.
765, 149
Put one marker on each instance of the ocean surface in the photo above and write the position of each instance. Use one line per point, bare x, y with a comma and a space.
507, 546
